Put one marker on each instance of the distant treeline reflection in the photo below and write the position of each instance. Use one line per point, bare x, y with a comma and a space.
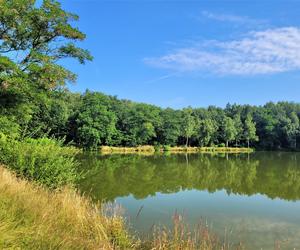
275, 175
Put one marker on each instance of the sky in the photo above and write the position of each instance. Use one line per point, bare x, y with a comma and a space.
190, 53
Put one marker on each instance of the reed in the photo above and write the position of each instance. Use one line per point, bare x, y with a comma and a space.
181, 237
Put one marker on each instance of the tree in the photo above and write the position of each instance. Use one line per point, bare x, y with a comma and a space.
228, 130
291, 128
188, 124
239, 128
169, 131
207, 129
32, 41
250, 130
95, 122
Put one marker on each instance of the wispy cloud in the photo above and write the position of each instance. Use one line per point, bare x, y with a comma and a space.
161, 78
258, 52
231, 18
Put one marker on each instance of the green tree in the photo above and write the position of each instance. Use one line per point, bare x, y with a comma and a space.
169, 131
207, 129
239, 128
292, 129
250, 130
188, 124
229, 131
95, 122
32, 41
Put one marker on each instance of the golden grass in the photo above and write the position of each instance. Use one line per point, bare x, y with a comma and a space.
149, 150
32, 217
180, 237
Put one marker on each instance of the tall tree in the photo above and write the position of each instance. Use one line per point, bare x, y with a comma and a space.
189, 123
228, 130
207, 129
292, 129
239, 128
33, 38
250, 130
95, 122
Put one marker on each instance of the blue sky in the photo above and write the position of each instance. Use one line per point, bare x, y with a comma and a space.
198, 53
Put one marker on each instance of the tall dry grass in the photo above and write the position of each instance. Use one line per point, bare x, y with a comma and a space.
181, 237
32, 217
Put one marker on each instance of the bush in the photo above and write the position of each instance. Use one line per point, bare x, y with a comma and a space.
167, 147
221, 145
43, 160
8, 127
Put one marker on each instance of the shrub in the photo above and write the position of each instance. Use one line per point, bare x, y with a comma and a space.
43, 160
167, 147
8, 127
221, 145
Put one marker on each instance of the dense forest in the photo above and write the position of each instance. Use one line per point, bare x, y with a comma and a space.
35, 103
92, 119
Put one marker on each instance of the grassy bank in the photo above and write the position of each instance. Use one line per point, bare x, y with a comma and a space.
152, 149
32, 217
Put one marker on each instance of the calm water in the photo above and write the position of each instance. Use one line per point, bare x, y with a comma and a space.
256, 198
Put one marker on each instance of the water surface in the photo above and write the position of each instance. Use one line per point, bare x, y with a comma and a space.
254, 198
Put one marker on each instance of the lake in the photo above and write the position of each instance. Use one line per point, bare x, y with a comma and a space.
250, 198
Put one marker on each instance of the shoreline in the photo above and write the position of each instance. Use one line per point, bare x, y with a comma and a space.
147, 149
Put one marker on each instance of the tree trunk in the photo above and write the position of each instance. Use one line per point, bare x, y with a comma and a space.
226, 144
248, 143
187, 141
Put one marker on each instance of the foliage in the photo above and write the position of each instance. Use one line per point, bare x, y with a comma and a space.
228, 130
189, 123
95, 124
250, 130
42, 160
34, 102
33, 38
207, 129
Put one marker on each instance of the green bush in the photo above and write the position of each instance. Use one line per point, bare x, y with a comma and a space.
167, 147
221, 145
43, 160
8, 127
157, 148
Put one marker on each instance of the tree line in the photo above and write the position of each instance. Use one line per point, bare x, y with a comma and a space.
34, 100
93, 119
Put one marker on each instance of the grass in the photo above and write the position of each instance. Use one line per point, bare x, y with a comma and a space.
32, 217
139, 149
181, 237
176, 149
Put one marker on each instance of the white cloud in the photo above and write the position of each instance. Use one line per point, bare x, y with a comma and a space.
260, 52
230, 18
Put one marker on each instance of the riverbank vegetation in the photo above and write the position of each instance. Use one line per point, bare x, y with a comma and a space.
32, 217
168, 149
